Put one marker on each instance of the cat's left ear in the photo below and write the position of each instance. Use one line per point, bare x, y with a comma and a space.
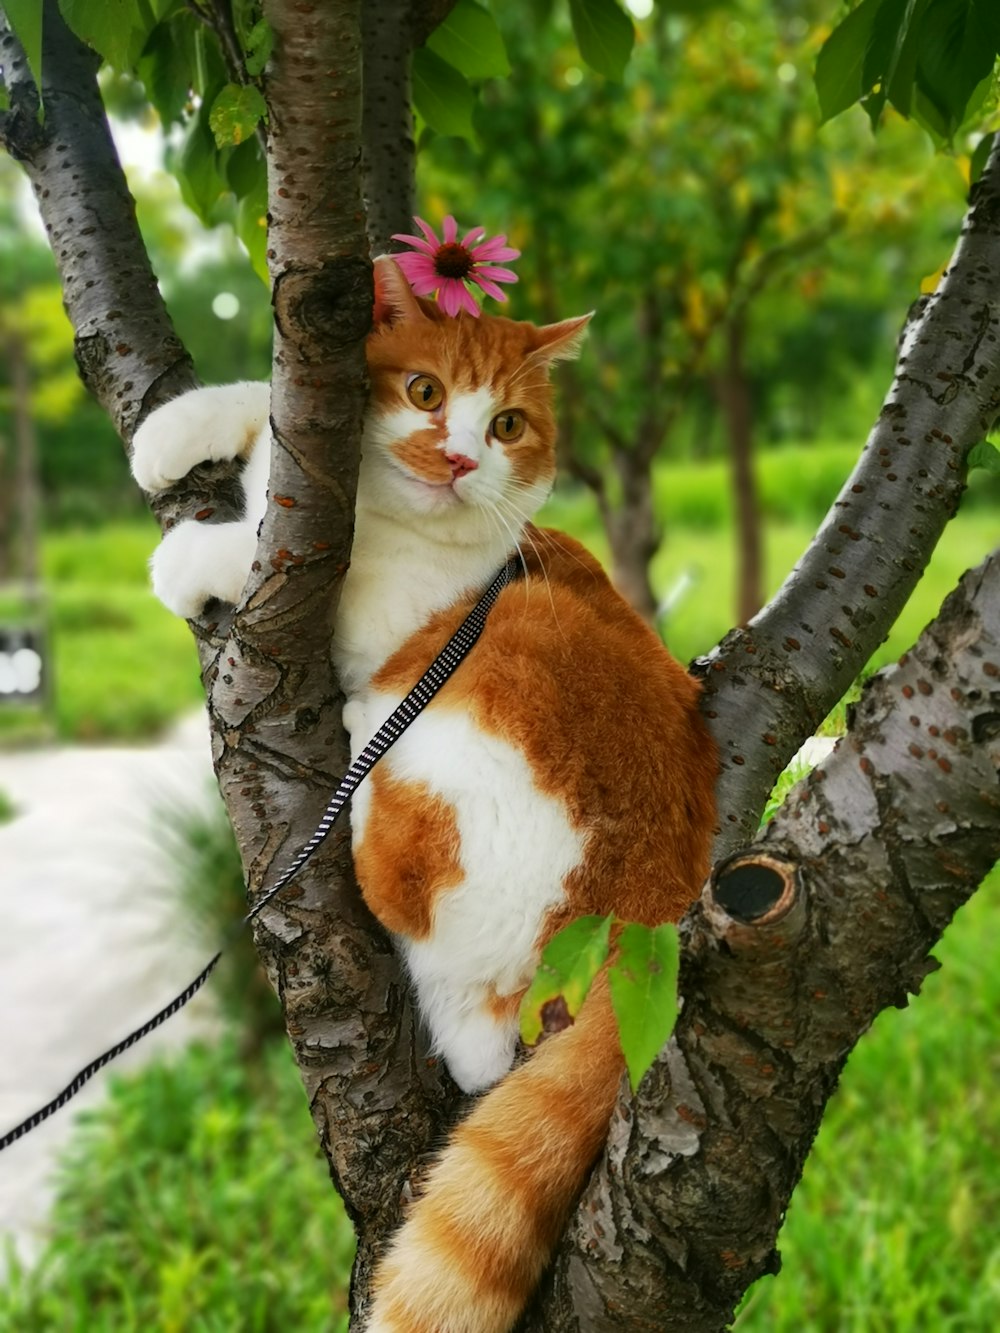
560, 342
394, 298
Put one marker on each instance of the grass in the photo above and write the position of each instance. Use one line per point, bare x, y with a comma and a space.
123, 668
195, 1200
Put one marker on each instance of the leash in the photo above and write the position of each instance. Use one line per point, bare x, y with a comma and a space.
439, 671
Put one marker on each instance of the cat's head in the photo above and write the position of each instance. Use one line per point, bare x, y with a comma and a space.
460, 433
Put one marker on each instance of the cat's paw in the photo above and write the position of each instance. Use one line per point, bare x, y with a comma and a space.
198, 561
207, 424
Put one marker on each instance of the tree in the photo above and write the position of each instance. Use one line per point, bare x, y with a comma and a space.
800, 938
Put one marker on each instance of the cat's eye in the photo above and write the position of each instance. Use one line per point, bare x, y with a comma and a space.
508, 426
425, 391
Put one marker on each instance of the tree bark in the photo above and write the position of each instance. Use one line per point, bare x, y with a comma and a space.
715, 1138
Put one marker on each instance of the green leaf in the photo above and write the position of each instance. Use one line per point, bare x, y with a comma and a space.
25, 18
985, 455
259, 45
116, 29
957, 52
643, 983
604, 34
977, 163
166, 70
236, 113
570, 961
470, 40
251, 225
198, 171
442, 95
840, 65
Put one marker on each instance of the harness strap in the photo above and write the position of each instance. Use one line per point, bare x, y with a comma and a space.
436, 675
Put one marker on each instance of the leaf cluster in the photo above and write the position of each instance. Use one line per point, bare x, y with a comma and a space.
931, 60
642, 979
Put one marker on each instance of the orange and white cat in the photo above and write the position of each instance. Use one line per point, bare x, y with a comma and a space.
563, 770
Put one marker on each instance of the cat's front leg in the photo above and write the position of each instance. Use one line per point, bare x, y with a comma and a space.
221, 422
197, 561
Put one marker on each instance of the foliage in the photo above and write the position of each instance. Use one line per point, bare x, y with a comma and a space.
195, 1198
642, 977
930, 59
8, 810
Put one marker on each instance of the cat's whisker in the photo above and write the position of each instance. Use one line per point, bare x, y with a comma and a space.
504, 500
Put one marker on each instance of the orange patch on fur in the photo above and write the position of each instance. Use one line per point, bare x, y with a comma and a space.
567, 673
410, 856
421, 452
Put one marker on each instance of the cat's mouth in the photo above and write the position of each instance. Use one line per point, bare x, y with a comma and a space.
445, 492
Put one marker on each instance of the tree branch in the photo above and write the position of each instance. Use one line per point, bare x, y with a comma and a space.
797, 944
791, 664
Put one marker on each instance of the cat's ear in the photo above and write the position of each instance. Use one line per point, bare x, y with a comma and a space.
394, 298
560, 342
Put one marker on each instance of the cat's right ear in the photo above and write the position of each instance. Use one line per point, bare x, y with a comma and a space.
395, 302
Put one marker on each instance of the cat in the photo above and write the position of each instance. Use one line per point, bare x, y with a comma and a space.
565, 769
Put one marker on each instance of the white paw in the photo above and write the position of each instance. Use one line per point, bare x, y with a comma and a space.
207, 424
198, 561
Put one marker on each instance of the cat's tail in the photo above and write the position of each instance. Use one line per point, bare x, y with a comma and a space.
495, 1204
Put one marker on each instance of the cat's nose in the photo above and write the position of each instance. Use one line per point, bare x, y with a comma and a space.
460, 465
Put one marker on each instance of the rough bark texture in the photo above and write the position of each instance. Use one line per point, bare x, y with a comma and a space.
793, 950
873, 858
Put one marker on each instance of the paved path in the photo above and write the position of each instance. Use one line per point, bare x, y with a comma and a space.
91, 942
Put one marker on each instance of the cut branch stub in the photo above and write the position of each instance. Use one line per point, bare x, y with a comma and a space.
755, 888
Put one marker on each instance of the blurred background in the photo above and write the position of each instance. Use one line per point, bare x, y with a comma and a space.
751, 270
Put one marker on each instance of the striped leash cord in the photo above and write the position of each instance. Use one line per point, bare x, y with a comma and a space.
439, 671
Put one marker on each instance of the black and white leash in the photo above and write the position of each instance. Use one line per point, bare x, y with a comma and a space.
439, 671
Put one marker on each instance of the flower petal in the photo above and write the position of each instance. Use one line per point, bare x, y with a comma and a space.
417, 267
417, 242
450, 295
490, 288
428, 232
497, 274
449, 230
495, 248
471, 237
468, 300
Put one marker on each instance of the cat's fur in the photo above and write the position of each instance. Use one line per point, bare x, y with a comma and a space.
563, 770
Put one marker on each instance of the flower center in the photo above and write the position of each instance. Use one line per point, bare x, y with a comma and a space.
452, 261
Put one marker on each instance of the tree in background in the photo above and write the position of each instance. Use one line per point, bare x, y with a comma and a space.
802, 936
681, 204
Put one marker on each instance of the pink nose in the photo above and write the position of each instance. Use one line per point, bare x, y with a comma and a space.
460, 465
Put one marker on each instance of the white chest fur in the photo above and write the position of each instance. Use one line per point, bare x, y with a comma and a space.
398, 578
517, 847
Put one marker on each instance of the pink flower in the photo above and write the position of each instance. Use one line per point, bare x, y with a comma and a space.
445, 266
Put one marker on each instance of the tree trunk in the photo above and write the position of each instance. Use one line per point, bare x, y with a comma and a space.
732, 387
633, 534
26, 488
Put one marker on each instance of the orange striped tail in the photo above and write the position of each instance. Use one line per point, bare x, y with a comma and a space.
477, 1241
